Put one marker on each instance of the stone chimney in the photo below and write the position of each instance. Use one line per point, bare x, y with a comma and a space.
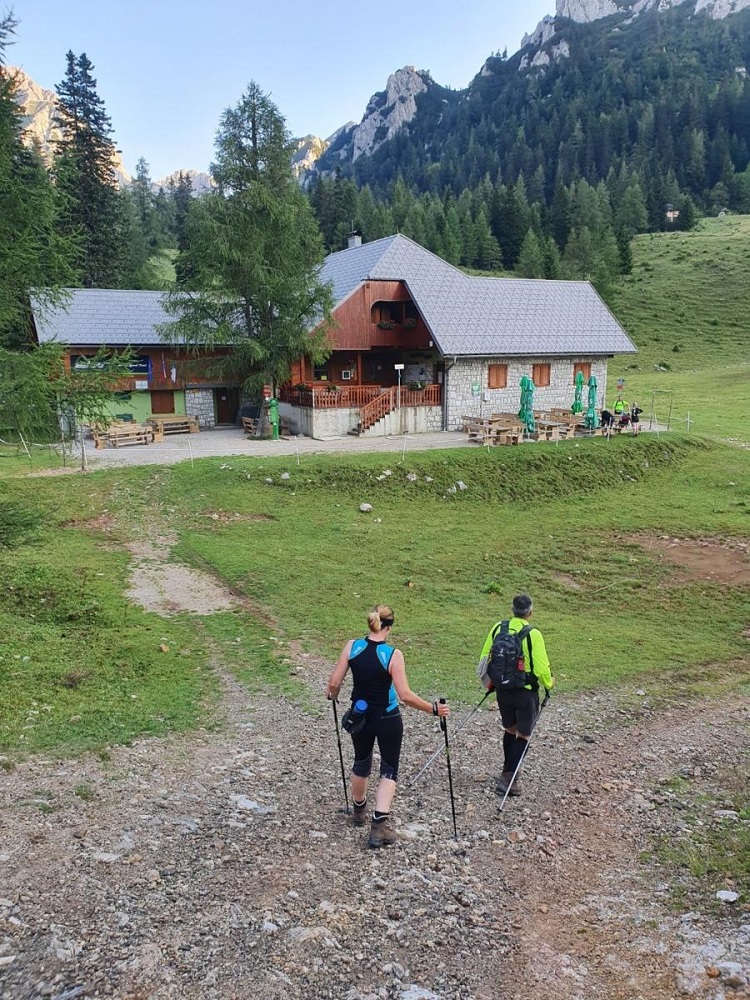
355, 239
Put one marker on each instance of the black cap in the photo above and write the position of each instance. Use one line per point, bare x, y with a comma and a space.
521, 605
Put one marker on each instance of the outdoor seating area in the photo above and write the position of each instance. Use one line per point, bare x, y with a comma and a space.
555, 424
125, 432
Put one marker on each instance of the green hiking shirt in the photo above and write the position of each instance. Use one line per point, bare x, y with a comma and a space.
539, 656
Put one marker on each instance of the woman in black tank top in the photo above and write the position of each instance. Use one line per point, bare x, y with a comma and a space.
379, 678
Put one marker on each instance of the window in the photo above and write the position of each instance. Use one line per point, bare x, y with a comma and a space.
540, 375
388, 313
497, 376
320, 373
585, 368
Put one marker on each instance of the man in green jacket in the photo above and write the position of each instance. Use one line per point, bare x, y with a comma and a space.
519, 708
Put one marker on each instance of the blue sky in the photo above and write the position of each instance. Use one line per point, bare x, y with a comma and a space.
166, 69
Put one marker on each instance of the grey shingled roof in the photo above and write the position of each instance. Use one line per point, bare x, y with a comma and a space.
482, 317
93, 316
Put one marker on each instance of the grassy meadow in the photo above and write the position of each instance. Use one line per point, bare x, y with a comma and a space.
573, 523
82, 667
687, 307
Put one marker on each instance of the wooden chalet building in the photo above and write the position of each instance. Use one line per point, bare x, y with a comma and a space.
162, 381
464, 343
417, 345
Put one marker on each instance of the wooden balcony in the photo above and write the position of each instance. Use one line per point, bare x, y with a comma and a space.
359, 396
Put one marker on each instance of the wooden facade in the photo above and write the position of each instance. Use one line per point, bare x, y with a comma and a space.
373, 329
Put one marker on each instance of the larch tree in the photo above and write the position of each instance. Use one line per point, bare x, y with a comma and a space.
254, 254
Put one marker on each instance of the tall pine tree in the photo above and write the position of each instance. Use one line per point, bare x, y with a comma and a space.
85, 175
33, 251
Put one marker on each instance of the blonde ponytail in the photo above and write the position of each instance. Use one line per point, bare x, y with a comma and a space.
379, 617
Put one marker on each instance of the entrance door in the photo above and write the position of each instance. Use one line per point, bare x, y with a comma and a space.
162, 401
227, 403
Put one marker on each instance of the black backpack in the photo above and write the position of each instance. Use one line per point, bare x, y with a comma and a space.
506, 665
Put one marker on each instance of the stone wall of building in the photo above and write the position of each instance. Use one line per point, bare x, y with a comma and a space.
200, 403
466, 374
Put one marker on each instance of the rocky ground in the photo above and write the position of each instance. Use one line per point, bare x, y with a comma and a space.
218, 864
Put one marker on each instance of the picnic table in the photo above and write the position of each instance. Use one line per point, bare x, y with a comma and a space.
128, 433
498, 429
174, 423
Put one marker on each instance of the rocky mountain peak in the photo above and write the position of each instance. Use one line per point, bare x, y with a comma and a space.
389, 110
585, 11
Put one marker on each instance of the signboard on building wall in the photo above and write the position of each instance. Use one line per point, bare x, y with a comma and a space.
141, 383
475, 388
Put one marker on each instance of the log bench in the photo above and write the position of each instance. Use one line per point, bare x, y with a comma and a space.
250, 426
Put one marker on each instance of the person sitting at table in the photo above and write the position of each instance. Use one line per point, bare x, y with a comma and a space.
624, 421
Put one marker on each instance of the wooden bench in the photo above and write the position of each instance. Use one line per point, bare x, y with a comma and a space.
174, 423
123, 434
479, 431
250, 426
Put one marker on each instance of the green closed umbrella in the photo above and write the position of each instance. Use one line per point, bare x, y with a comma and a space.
592, 418
526, 413
577, 406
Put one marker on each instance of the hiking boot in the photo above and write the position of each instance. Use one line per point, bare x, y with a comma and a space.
358, 816
382, 834
504, 783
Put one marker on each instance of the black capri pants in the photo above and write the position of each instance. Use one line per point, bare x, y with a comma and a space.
388, 729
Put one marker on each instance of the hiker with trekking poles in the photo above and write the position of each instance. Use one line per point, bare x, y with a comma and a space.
379, 683
514, 663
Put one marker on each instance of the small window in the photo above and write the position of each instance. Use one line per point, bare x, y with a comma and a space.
320, 373
584, 367
497, 376
541, 375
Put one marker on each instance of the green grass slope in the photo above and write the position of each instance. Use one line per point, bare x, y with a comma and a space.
687, 307
80, 666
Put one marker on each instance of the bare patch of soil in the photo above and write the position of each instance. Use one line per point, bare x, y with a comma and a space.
726, 560
567, 580
168, 588
227, 517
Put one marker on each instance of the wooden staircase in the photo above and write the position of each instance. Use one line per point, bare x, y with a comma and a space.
376, 409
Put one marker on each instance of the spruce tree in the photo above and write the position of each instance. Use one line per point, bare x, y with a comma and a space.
256, 249
530, 262
34, 254
85, 175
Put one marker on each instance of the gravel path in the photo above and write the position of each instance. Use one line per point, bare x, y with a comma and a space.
217, 866
224, 442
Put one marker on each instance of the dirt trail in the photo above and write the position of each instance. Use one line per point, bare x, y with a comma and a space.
216, 865
196, 866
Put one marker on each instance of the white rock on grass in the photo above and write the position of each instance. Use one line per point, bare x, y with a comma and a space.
726, 896
365, 508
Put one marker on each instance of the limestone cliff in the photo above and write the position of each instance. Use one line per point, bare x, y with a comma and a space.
307, 152
543, 48
386, 114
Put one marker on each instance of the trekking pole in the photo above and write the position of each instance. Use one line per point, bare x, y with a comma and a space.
518, 765
456, 731
444, 727
341, 754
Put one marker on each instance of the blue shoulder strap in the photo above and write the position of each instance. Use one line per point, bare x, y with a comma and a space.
358, 646
385, 652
